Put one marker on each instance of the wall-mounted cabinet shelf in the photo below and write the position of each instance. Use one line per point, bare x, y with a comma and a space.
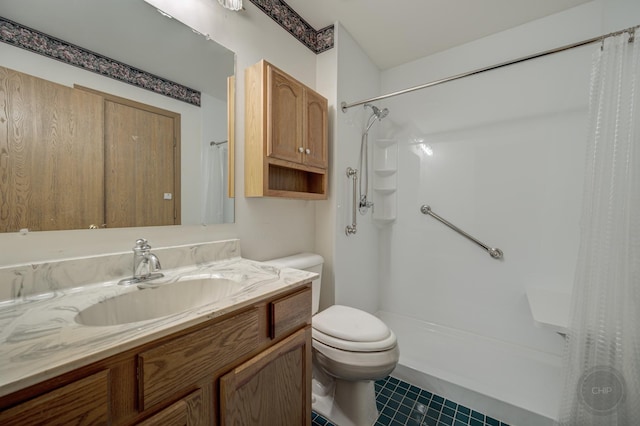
286, 136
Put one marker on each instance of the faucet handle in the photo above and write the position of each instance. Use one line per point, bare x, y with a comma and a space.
142, 244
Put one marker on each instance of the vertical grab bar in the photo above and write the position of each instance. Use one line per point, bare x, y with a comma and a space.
352, 229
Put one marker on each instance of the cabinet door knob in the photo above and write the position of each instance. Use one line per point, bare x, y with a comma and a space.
301, 149
308, 151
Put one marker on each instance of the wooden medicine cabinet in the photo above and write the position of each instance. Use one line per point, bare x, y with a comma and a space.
286, 136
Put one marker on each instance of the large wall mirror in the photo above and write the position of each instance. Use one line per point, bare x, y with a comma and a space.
135, 33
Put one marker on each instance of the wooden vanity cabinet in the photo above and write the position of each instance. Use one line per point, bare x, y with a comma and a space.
186, 411
84, 401
271, 388
286, 136
229, 370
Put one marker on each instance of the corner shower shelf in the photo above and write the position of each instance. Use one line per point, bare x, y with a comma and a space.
380, 221
550, 308
385, 180
385, 190
385, 172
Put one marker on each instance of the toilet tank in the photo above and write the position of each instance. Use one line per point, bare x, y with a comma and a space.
307, 262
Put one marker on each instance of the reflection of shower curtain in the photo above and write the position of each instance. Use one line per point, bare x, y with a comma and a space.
214, 171
602, 357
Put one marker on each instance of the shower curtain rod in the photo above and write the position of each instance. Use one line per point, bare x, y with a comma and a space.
344, 106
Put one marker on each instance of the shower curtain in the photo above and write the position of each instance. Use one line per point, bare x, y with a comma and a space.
602, 356
214, 165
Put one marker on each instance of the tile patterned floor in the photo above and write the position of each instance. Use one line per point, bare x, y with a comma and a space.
402, 404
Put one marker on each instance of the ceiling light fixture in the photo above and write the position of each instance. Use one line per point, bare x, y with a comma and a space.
234, 5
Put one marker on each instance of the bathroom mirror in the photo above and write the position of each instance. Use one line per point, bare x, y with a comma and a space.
135, 33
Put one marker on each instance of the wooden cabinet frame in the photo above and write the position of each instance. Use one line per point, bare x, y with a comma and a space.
286, 136
270, 388
186, 378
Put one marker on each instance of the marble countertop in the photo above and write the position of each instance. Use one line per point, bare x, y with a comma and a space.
40, 339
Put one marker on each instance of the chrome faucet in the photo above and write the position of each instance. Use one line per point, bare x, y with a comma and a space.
145, 264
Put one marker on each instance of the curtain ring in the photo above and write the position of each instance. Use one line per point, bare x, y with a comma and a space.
632, 35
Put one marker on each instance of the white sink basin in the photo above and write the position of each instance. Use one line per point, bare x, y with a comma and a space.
165, 299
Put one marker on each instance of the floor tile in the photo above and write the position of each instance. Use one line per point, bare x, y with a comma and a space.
402, 404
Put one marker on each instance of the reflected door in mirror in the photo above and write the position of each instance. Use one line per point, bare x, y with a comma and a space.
73, 158
51, 155
140, 161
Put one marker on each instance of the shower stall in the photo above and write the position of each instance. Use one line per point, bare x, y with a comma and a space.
500, 154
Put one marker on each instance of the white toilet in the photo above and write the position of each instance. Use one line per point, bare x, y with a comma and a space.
351, 349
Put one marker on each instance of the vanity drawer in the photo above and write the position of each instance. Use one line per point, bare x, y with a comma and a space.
290, 313
85, 401
177, 364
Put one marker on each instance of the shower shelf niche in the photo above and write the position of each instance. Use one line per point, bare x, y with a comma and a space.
385, 180
385, 190
385, 172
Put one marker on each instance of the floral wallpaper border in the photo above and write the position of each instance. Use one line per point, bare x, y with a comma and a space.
46, 45
317, 41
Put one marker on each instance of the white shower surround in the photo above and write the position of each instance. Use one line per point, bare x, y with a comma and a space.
507, 167
515, 384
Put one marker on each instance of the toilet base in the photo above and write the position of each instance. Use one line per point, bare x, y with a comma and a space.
345, 403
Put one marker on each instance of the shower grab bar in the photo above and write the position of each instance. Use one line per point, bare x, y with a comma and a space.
495, 253
352, 229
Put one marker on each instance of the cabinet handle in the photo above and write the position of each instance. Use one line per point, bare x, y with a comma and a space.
301, 150
308, 151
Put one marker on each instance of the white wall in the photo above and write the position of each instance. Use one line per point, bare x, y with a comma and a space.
620, 14
327, 83
355, 256
266, 227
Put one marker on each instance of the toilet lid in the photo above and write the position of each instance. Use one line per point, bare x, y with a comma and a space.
351, 329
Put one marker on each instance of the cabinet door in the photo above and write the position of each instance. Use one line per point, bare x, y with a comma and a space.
315, 142
140, 166
178, 363
186, 412
51, 155
284, 116
273, 388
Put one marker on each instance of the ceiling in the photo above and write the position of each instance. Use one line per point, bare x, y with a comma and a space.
399, 31
390, 32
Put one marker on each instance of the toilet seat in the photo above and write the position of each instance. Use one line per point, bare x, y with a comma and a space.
353, 330
347, 345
